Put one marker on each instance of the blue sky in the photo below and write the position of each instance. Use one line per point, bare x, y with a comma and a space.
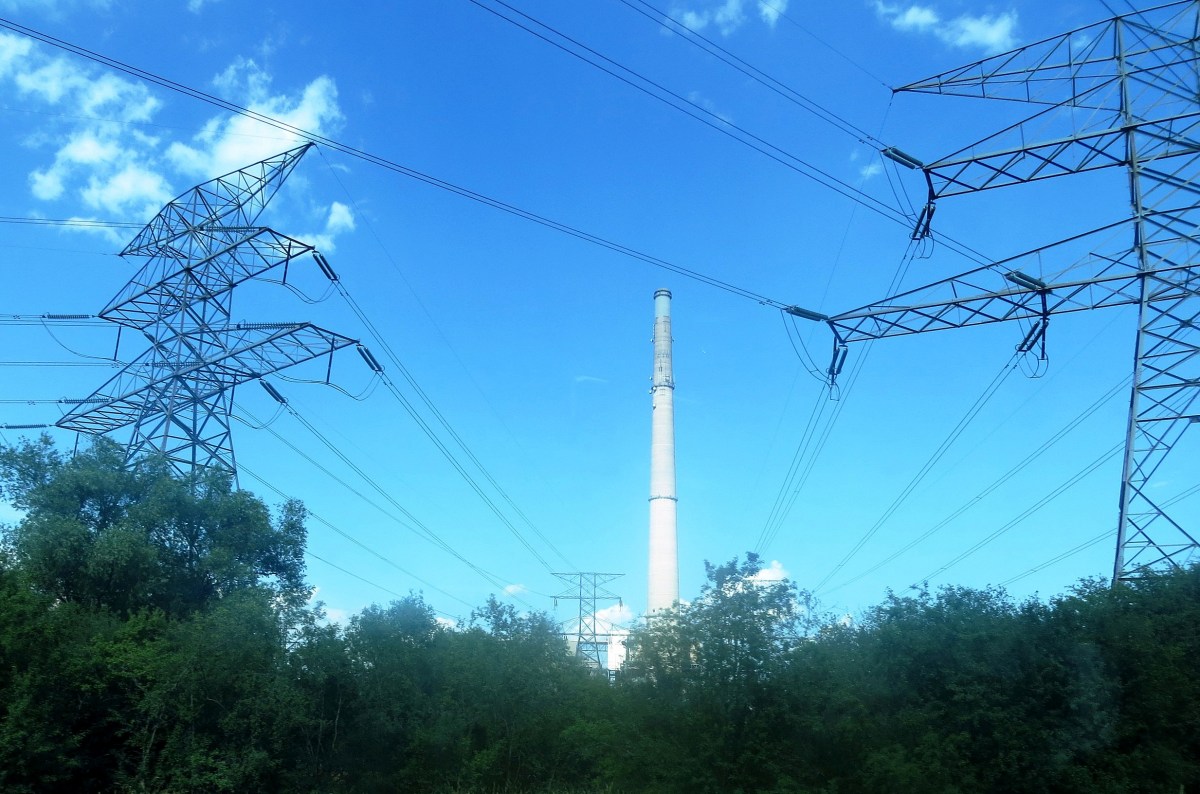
536, 346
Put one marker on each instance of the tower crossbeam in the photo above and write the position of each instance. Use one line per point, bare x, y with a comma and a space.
1125, 91
178, 396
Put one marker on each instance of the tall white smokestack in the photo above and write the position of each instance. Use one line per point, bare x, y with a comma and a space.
664, 558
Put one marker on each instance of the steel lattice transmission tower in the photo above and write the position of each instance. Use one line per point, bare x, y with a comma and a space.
178, 395
1122, 93
591, 643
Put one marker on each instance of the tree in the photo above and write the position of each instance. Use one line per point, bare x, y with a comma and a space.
707, 672
100, 534
144, 621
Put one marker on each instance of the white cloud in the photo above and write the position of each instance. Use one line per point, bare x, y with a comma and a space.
589, 379
132, 191
340, 219
12, 49
616, 615
515, 589
771, 10
728, 15
775, 572
869, 170
46, 185
103, 162
918, 18
227, 143
988, 32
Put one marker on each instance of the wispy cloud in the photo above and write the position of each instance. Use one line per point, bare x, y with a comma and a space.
340, 219
775, 572
990, 33
869, 170
229, 142
589, 379
515, 589
728, 15
105, 166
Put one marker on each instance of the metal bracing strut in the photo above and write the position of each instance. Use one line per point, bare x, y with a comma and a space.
177, 397
1128, 90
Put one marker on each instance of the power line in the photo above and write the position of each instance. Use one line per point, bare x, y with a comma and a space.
723, 125
797, 476
695, 110
699, 40
783, 13
446, 452
1045, 500
437, 327
79, 222
1001, 480
355, 541
387, 164
932, 461
1087, 544
417, 527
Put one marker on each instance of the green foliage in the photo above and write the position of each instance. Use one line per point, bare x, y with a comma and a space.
155, 636
98, 534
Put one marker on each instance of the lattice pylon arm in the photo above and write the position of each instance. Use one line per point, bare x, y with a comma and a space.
234, 199
228, 257
990, 295
1158, 139
159, 382
1068, 68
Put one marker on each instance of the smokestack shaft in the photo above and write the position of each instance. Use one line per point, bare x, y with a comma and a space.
664, 557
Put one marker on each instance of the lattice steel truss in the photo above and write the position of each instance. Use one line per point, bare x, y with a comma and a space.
178, 395
591, 639
1124, 93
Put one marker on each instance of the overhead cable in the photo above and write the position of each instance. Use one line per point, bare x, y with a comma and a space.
458, 440
387, 164
1045, 500
698, 39
999, 481
930, 462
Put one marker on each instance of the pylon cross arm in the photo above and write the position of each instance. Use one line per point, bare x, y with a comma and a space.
234, 199
227, 257
161, 381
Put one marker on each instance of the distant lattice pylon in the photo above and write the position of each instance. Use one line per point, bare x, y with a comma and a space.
591, 638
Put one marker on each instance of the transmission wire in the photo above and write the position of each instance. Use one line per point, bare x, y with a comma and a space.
722, 125
698, 39
1089, 543
354, 540
446, 452
1001, 480
1045, 500
386, 164
932, 461
417, 527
